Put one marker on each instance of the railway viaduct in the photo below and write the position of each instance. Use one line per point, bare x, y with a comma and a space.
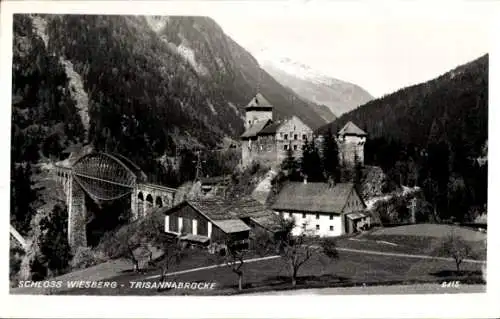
106, 177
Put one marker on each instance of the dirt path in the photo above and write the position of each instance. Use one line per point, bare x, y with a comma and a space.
372, 252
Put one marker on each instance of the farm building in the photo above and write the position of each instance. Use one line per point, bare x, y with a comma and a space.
217, 221
323, 209
214, 185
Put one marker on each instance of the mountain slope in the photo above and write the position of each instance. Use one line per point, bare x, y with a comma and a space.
452, 107
140, 86
219, 58
339, 96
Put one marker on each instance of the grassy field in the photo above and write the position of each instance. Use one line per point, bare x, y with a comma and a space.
350, 269
431, 230
420, 239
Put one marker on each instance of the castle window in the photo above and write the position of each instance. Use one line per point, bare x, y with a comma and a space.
303, 215
295, 147
304, 137
286, 137
331, 216
317, 216
295, 137
289, 214
331, 228
317, 227
285, 147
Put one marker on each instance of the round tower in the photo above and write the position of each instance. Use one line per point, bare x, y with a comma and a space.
351, 144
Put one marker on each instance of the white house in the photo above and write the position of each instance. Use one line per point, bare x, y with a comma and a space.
326, 209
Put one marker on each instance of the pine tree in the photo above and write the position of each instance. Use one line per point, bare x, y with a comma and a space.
290, 166
311, 165
54, 245
358, 173
330, 158
22, 197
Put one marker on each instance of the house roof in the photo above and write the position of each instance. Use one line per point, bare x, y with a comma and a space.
231, 225
313, 197
226, 214
357, 215
351, 129
215, 180
255, 129
269, 221
259, 101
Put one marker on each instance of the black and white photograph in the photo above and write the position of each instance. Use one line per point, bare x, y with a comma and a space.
247, 153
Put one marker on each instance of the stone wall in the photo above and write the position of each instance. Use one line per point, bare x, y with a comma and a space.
293, 133
349, 148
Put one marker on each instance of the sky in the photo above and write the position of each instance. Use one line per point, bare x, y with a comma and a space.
380, 50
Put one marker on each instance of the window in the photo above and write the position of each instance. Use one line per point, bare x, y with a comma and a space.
285, 147
286, 137
304, 137
317, 227
317, 216
331, 216
295, 137
303, 215
295, 147
289, 214
331, 228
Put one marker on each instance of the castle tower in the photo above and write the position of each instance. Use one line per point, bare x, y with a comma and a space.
351, 144
259, 109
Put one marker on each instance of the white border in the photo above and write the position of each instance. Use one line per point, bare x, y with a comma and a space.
401, 306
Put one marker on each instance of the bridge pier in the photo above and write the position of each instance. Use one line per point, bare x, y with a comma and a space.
77, 216
134, 205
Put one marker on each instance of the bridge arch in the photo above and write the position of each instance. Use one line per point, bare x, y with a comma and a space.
159, 202
104, 176
149, 201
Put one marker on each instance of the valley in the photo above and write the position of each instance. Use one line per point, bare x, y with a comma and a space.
148, 144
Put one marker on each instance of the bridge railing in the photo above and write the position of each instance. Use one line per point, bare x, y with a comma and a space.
61, 173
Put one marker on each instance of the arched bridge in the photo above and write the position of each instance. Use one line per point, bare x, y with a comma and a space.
107, 177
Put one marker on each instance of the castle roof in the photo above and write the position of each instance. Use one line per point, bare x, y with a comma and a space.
351, 129
313, 197
271, 128
259, 101
255, 129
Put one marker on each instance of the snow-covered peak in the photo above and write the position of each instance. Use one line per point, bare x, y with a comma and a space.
294, 68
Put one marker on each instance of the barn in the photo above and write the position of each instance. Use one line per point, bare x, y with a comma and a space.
218, 221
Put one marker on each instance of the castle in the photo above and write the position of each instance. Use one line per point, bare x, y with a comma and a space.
268, 141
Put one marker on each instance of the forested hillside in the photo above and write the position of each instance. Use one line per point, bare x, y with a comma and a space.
148, 85
433, 135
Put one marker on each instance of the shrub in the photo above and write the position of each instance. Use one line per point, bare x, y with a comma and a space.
86, 257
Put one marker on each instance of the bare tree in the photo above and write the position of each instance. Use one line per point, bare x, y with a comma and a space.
298, 250
456, 247
235, 259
